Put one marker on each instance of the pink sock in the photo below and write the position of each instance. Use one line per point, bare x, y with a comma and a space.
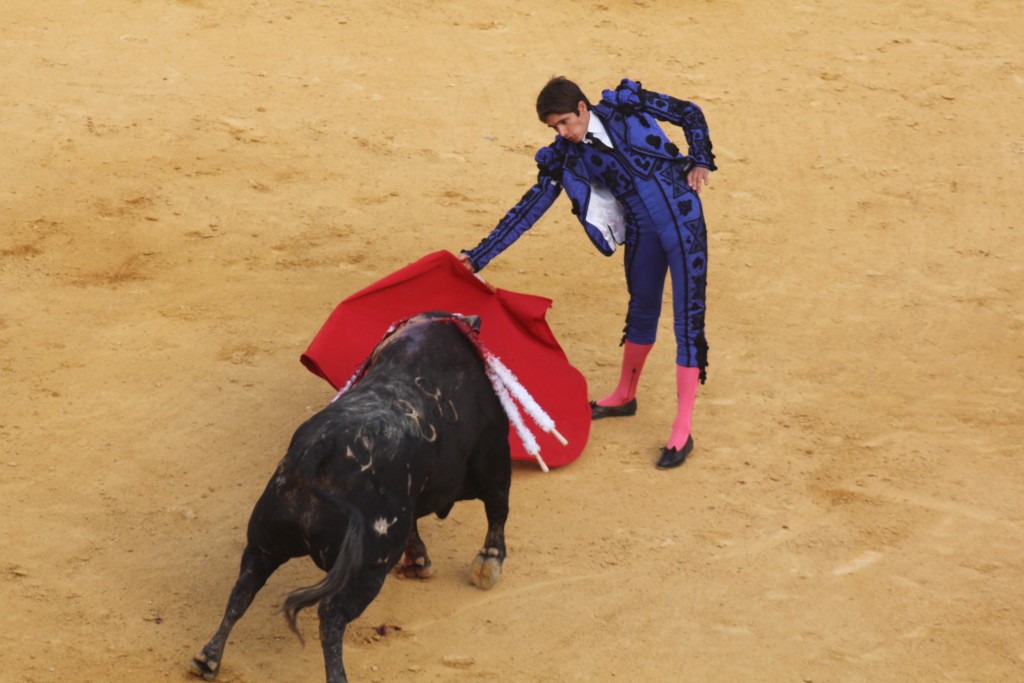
633, 357
687, 380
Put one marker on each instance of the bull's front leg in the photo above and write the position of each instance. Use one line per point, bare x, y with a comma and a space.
494, 481
487, 564
416, 563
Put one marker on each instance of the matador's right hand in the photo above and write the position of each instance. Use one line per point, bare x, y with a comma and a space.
466, 262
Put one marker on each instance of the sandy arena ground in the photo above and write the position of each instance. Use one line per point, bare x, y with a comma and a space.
188, 188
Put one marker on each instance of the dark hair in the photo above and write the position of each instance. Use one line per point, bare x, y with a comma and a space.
559, 96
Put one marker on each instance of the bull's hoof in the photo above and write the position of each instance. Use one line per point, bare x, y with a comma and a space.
201, 666
419, 569
486, 568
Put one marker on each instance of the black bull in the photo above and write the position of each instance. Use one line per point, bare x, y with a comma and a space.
421, 430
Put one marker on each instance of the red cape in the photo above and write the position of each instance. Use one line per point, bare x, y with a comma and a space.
512, 328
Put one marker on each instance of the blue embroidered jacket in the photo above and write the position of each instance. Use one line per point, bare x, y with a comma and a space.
629, 115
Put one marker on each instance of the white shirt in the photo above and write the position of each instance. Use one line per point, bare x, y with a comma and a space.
603, 210
597, 129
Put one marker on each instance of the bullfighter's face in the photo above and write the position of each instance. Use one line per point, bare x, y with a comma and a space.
571, 126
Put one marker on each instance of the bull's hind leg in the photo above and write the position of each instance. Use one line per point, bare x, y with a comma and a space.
416, 563
338, 610
257, 567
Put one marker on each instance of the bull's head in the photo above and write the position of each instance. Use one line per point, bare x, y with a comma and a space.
472, 320
403, 326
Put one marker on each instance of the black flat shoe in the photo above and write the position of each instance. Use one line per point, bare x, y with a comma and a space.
625, 410
674, 457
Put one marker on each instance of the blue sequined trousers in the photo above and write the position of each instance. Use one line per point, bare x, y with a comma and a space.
665, 234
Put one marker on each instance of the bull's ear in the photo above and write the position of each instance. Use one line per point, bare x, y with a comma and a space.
473, 321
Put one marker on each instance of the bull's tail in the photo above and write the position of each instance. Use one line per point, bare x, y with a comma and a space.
348, 561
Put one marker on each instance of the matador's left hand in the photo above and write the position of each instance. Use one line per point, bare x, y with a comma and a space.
697, 177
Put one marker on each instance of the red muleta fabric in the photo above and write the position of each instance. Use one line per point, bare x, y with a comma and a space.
512, 327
